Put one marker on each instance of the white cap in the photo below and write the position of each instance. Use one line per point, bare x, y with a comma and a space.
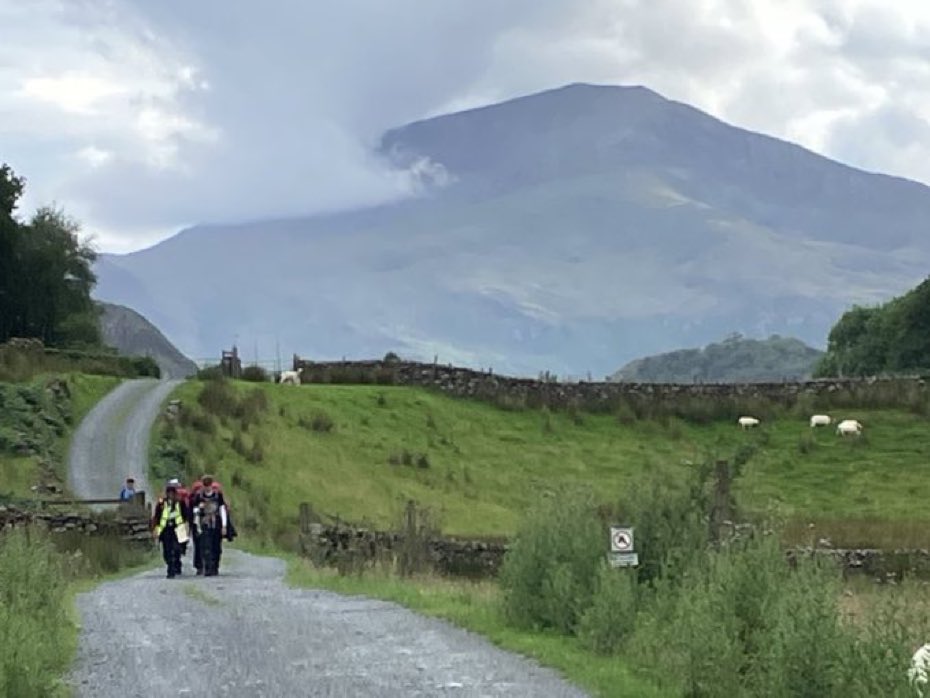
174, 481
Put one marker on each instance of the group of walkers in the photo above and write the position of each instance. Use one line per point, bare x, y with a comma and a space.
199, 515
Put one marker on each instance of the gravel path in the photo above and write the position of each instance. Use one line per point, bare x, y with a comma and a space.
245, 633
112, 441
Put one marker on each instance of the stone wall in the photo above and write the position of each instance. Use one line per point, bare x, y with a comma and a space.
355, 548
130, 523
525, 392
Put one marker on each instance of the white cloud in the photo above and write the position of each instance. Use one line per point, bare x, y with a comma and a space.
141, 116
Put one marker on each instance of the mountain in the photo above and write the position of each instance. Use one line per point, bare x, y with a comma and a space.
131, 334
569, 230
734, 360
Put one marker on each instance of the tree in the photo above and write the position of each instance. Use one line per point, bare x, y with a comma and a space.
46, 275
890, 338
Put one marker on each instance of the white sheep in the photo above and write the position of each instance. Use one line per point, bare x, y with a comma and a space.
849, 426
821, 420
748, 422
920, 666
292, 377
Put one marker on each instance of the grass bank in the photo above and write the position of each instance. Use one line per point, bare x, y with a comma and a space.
36, 427
360, 451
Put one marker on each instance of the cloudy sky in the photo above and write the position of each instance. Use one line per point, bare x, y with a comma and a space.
141, 116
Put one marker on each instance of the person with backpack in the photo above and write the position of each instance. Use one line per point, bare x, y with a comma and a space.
230, 534
210, 520
170, 529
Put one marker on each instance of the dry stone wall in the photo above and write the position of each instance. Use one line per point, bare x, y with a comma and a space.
520, 392
130, 523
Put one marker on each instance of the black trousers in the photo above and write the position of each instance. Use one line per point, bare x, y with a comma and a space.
211, 550
171, 551
198, 556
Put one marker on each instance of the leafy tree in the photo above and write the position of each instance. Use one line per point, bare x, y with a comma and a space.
889, 338
45, 274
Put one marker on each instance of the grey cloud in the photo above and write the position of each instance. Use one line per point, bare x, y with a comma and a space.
300, 92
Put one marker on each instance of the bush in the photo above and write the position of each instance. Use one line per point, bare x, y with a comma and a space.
611, 618
210, 373
547, 577
254, 374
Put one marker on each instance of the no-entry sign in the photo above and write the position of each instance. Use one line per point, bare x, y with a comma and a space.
621, 539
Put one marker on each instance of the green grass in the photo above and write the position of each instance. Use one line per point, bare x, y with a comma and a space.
488, 465
475, 607
19, 473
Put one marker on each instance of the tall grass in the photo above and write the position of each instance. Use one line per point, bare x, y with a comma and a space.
37, 573
34, 626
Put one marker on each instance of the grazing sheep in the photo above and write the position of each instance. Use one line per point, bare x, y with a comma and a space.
821, 420
849, 426
292, 377
920, 667
748, 422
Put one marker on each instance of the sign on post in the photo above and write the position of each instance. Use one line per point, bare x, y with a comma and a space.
622, 553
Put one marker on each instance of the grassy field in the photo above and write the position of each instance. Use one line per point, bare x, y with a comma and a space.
360, 451
19, 473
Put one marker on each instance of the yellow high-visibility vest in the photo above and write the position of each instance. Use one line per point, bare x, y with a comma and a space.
168, 512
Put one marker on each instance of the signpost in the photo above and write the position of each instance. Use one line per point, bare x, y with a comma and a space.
622, 553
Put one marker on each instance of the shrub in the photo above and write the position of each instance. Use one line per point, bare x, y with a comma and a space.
256, 454
254, 374
611, 618
210, 373
625, 414
547, 577
217, 397
423, 461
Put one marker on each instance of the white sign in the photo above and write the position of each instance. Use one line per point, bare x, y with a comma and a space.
621, 539
623, 559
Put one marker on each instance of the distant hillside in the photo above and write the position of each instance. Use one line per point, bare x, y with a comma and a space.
734, 360
131, 334
889, 338
574, 230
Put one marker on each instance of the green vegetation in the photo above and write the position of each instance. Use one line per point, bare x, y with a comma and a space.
39, 575
711, 616
360, 452
697, 618
734, 360
45, 274
476, 606
889, 338
36, 422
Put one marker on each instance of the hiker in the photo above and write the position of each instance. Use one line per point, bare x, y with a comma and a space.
210, 519
231, 533
170, 529
128, 493
185, 498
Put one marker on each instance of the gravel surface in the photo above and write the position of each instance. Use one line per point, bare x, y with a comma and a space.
112, 441
245, 633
